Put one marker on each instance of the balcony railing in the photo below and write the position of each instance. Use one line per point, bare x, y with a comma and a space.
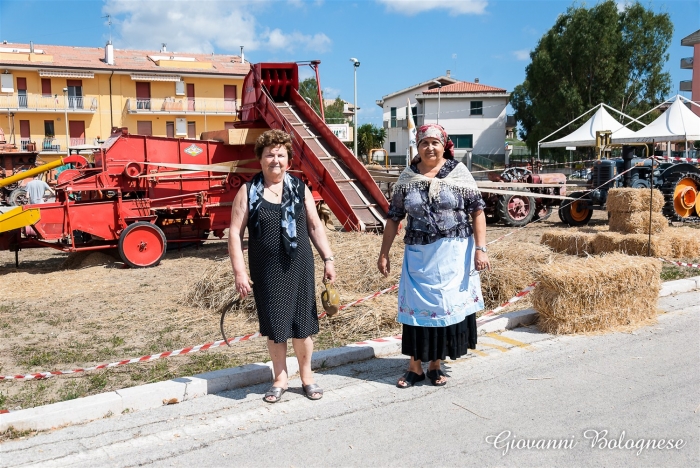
77, 141
50, 144
40, 103
182, 106
687, 63
686, 85
23, 142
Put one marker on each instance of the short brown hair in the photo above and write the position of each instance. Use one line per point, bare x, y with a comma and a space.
273, 138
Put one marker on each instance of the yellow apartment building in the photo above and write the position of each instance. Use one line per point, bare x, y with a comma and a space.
57, 97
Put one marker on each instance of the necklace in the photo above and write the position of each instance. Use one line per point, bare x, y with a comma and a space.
275, 193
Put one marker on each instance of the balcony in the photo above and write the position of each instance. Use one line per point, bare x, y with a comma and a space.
53, 104
182, 106
687, 63
51, 144
686, 85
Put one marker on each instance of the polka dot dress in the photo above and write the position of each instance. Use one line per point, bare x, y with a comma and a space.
284, 289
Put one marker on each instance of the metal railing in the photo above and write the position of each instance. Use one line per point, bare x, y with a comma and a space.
50, 144
183, 106
38, 102
23, 142
77, 141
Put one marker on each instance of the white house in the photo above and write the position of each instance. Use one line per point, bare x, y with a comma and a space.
473, 114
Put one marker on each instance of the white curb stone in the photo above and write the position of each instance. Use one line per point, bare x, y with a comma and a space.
670, 288
508, 321
153, 395
236, 377
60, 414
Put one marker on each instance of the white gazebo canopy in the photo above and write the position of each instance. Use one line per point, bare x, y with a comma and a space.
585, 134
677, 123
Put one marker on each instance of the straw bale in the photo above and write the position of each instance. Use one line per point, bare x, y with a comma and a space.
569, 242
637, 223
513, 265
685, 242
579, 295
630, 200
632, 244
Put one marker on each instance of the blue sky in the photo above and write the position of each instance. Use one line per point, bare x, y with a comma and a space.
398, 42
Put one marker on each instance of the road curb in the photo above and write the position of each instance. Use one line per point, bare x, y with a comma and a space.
149, 396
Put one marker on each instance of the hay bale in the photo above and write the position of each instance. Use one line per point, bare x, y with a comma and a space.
569, 242
578, 295
631, 244
685, 242
629, 200
637, 222
513, 266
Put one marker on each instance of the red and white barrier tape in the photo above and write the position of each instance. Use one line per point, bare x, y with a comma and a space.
388, 339
179, 352
691, 265
485, 317
676, 158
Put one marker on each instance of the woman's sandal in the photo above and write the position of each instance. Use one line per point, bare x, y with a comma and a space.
276, 392
410, 379
310, 389
434, 375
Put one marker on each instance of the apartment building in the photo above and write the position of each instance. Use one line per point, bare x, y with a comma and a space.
692, 63
59, 97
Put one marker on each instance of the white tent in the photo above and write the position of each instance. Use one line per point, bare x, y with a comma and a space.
677, 123
585, 134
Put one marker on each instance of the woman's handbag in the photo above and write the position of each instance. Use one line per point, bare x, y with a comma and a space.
330, 299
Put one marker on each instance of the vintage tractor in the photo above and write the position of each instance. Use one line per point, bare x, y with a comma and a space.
524, 206
679, 182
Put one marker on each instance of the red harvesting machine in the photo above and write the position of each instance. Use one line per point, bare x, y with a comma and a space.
142, 193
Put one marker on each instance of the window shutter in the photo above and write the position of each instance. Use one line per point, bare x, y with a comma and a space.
179, 88
7, 83
180, 126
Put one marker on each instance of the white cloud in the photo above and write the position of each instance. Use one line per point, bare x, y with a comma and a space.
330, 93
454, 7
522, 54
203, 26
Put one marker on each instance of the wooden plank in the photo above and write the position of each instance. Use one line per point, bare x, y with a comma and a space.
235, 136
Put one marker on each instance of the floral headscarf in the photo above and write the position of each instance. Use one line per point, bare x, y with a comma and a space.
436, 131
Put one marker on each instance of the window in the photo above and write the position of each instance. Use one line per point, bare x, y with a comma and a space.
393, 117
144, 127
191, 130
48, 129
143, 96
392, 147
75, 94
21, 92
476, 108
462, 141
46, 87
230, 92
170, 129
414, 112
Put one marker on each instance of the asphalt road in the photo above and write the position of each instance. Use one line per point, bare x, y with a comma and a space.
526, 399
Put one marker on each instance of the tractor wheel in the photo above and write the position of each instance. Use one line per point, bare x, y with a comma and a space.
576, 213
544, 212
142, 245
685, 196
18, 197
515, 210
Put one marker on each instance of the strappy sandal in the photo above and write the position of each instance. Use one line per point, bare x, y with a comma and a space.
410, 378
434, 375
276, 392
310, 389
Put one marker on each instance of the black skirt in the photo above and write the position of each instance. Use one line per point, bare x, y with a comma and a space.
432, 343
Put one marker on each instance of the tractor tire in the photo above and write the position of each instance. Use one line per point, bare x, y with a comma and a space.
576, 213
515, 210
18, 197
142, 245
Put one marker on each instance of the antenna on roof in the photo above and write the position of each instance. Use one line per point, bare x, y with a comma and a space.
109, 23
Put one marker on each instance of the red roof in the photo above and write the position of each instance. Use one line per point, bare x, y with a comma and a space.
465, 87
92, 58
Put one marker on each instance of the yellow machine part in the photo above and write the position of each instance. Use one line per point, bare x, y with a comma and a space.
685, 198
31, 172
18, 218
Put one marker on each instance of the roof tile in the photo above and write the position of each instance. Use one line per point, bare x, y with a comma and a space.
465, 87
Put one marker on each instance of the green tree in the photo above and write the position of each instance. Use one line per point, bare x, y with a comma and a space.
591, 56
369, 137
308, 89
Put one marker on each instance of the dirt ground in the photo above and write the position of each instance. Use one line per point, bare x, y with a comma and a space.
59, 312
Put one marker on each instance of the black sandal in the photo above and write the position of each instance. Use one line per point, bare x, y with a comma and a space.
410, 378
434, 375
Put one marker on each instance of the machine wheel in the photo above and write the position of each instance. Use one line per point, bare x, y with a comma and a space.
685, 196
142, 245
576, 213
18, 197
515, 210
543, 213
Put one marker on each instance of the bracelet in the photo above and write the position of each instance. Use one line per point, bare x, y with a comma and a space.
329, 259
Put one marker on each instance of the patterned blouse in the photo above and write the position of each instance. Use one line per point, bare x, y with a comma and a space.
429, 222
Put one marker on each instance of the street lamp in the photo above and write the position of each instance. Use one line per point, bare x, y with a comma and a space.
356, 65
439, 90
65, 111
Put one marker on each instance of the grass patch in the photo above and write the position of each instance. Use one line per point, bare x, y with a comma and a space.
672, 272
12, 433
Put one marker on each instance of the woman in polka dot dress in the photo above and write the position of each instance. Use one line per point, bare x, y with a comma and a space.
279, 212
